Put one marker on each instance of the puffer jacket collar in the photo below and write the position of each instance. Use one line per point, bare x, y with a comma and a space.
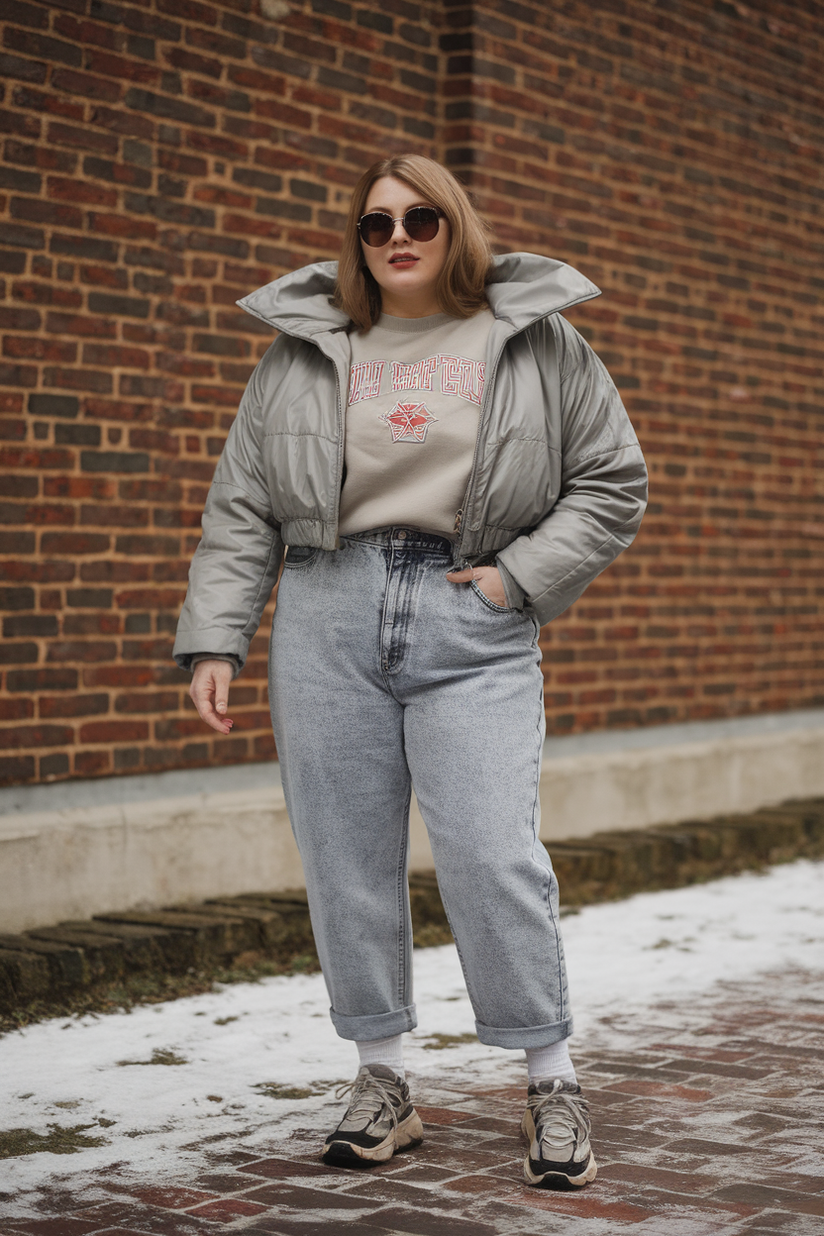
524, 287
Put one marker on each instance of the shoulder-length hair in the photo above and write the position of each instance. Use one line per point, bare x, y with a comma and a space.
461, 284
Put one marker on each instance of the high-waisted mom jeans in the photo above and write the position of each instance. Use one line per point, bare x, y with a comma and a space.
385, 675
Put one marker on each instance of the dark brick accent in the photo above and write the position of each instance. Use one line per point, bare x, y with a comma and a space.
123, 306
53, 405
38, 625
41, 46
78, 435
13, 770
16, 598
54, 765
114, 461
22, 69
83, 247
42, 680
170, 108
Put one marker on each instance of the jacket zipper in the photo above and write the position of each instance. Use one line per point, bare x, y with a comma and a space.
339, 478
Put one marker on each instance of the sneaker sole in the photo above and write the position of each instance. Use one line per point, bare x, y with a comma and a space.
554, 1179
406, 1136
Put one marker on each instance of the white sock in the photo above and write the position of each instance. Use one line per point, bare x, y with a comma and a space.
547, 1063
383, 1051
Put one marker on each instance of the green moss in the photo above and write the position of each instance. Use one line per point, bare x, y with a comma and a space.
439, 1042
58, 1140
160, 1055
274, 1090
431, 935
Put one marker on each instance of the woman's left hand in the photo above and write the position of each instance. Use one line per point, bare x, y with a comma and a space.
488, 579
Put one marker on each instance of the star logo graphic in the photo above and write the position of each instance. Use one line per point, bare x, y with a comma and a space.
408, 422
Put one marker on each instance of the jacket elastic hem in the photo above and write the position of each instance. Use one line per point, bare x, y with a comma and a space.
218, 640
375, 1026
196, 657
524, 1036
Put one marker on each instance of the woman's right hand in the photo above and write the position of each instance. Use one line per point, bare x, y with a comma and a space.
210, 692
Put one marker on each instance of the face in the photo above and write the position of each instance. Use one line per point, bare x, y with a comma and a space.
407, 286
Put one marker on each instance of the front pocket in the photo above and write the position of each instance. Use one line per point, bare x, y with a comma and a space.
299, 556
496, 609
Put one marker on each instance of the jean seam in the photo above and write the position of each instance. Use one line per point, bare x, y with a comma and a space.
496, 609
301, 566
403, 959
549, 876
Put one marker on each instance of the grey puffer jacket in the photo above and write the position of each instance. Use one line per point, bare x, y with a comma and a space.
558, 483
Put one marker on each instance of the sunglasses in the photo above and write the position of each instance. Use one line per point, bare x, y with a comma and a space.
419, 223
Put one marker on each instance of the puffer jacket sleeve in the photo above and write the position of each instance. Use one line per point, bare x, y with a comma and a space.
237, 561
603, 488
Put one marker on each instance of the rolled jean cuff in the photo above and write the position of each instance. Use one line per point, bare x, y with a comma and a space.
524, 1036
376, 1026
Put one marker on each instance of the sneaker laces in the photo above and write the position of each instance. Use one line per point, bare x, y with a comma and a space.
560, 1116
366, 1089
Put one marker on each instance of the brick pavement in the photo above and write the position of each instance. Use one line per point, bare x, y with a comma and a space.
708, 1121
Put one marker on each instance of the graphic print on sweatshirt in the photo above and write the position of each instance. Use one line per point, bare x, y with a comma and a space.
409, 419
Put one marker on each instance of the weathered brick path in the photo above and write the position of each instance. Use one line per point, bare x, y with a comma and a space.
709, 1122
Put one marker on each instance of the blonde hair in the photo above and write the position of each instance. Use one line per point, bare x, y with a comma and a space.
461, 284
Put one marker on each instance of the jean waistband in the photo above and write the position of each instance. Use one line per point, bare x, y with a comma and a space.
405, 538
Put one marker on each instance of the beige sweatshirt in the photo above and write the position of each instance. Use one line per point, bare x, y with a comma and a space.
415, 388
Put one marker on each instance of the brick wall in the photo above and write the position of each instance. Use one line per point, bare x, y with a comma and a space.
160, 159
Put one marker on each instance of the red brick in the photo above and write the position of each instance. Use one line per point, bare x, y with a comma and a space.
82, 650
81, 139
156, 701
92, 624
170, 1198
79, 31
92, 763
39, 349
36, 736
119, 676
85, 85
121, 68
45, 293
72, 705
114, 731
227, 1209
74, 543
16, 709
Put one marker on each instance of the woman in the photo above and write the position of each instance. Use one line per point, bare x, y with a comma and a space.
449, 466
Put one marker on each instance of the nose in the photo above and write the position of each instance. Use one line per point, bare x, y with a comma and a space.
398, 223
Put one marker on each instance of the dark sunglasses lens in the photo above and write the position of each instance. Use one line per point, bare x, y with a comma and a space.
376, 229
421, 223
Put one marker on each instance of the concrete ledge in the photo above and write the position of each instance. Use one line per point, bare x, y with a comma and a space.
76, 849
638, 787
45, 970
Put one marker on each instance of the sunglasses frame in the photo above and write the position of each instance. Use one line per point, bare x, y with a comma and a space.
439, 214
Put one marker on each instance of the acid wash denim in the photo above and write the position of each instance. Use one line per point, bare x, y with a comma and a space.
384, 675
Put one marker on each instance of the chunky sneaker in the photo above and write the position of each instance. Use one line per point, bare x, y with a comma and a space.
379, 1121
556, 1123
